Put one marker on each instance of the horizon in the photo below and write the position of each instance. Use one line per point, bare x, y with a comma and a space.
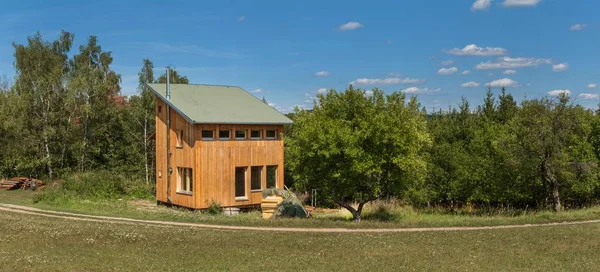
289, 52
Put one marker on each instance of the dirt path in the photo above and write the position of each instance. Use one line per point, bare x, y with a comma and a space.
121, 220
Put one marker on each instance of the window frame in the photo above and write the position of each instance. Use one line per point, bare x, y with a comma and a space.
267, 176
241, 138
225, 138
185, 181
180, 135
245, 196
207, 138
260, 178
259, 134
270, 138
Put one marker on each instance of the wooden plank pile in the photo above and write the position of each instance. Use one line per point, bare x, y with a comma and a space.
21, 183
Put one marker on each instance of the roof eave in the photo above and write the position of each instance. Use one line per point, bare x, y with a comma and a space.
164, 99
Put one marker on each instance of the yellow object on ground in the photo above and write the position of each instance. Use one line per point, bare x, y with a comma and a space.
269, 206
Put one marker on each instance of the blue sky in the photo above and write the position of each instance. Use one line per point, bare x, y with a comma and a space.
287, 51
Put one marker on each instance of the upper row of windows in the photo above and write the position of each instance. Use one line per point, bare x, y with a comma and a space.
270, 134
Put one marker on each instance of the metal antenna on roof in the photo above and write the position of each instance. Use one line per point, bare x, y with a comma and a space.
168, 84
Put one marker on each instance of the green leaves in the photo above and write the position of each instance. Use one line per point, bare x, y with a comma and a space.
358, 146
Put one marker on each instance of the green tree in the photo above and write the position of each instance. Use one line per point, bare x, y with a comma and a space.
356, 147
42, 70
545, 132
175, 77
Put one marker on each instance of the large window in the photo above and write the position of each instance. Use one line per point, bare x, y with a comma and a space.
185, 180
240, 182
255, 178
272, 176
224, 134
271, 134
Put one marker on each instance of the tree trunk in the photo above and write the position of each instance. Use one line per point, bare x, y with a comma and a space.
146, 148
355, 212
549, 178
555, 197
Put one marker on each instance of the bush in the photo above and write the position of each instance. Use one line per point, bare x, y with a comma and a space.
214, 208
96, 185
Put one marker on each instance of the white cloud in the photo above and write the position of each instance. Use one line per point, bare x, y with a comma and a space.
592, 85
387, 81
322, 73
504, 82
447, 62
447, 71
577, 27
481, 5
309, 98
474, 50
350, 26
242, 18
470, 84
558, 92
521, 3
510, 72
258, 91
588, 96
420, 90
560, 67
508, 63
322, 90
271, 104
465, 72
368, 93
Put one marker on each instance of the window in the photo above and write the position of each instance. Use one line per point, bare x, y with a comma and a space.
272, 176
159, 109
271, 134
240, 134
224, 135
255, 134
255, 177
240, 182
208, 135
180, 138
185, 180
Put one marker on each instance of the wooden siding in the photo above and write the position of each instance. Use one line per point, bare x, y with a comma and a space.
217, 159
213, 161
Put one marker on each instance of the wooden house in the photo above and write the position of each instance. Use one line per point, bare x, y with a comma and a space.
215, 143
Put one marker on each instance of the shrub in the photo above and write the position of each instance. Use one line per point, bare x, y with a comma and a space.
214, 208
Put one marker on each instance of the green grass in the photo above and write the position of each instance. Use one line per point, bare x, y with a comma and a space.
393, 216
34, 243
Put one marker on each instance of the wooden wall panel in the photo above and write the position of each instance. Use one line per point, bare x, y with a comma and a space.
217, 160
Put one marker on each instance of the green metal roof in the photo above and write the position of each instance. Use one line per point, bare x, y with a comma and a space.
215, 104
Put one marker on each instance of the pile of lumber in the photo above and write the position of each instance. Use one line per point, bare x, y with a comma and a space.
21, 183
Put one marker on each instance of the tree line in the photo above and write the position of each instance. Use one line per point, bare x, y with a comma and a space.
356, 146
65, 114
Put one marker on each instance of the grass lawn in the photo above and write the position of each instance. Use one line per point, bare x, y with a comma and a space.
397, 216
33, 243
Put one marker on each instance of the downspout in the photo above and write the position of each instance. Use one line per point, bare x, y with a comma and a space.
169, 169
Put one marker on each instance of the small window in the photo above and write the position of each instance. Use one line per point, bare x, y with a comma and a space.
255, 135
240, 134
180, 138
224, 135
255, 178
272, 176
208, 135
185, 180
240, 182
271, 134
159, 109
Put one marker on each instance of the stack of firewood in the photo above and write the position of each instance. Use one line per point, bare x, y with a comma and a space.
21, 183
